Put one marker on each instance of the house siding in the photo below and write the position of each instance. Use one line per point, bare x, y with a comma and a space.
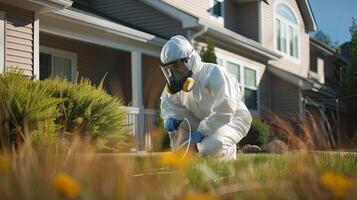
95, 61
140, 15
284, 97
300, 67
198, 8
242, 18
19, 39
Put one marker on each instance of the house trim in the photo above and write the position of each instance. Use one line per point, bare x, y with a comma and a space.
52, 26
54, 4
65, 54
36, 49
2, 41
93, 21
239, 40
325, 48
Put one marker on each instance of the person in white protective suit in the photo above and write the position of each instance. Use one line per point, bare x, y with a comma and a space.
205, 94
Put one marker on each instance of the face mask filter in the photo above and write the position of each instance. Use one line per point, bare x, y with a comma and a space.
178, 76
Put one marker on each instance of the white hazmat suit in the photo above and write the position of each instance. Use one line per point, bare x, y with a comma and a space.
214, 107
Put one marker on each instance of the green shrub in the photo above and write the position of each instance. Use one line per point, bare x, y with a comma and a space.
45, 108
26, 106
87, 109
257, 135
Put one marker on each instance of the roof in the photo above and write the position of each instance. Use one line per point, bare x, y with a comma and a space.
322, 46
220, 32
307, 14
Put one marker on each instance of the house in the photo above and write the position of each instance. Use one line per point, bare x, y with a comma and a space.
264, 43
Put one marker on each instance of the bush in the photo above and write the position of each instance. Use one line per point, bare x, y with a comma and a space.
87, 109
26, 108
42, 108
258, 133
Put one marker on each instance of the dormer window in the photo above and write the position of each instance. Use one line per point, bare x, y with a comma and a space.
286, 31
217, 8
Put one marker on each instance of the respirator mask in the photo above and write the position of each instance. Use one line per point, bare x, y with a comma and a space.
178, 76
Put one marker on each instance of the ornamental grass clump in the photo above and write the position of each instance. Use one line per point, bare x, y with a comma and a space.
87, 109
26, 108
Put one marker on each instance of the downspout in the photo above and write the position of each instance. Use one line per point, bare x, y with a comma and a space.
199, 33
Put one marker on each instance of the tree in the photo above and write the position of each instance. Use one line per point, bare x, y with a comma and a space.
326, 39
207, 53
349, 81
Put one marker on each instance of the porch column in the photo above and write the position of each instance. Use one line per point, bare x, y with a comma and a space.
137, 97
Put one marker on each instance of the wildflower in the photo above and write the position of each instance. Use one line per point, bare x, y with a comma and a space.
338, 184
178, 159
4, 164
199, 196
65, 185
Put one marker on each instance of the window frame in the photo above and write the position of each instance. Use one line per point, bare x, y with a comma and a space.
219, 18
287, 23
2, 41
242, 66
64, 54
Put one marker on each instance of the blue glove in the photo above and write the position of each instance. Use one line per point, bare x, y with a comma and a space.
196, 137
172, 124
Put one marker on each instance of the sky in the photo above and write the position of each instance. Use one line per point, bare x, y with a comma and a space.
334, 17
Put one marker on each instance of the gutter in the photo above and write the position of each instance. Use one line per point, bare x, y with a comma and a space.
201, 32
327, 49
54, 4
239, 40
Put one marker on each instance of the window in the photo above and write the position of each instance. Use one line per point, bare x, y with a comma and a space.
234, 69
217, 8
250, 89
247, 83
2, 39
287, 31
220, 62
55, 62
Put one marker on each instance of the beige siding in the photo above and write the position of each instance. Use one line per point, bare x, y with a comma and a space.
242, 18
19, 35
299, 67
94, 61
284, 97
140, 15
198, 8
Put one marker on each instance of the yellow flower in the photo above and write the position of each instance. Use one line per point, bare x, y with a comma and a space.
4, 164
338, 184
178, 159
65, 185
198, 196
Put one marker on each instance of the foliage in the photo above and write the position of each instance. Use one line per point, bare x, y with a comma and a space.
349, 79
296, 175
326, 39
43, 109
257, 135
27, 107
207, 53
87, 109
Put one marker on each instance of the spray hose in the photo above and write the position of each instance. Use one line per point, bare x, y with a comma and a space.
188, 142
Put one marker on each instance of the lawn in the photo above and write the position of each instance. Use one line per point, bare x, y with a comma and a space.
39, 173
